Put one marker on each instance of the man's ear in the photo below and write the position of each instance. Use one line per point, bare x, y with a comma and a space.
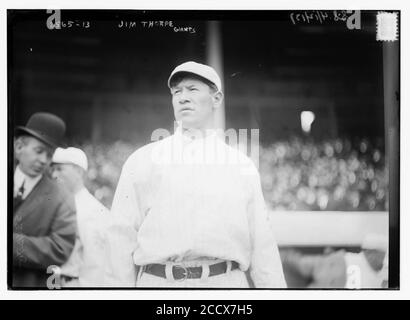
218, 98
18, 147
18, 144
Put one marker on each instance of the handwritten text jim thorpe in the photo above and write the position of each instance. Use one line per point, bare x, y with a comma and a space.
155, 24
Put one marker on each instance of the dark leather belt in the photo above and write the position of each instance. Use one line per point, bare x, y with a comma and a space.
181, 272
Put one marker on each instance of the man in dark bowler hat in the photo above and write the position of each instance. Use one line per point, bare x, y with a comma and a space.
44, 222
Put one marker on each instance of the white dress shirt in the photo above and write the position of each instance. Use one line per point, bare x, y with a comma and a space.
181, 199
29, 182
87, 258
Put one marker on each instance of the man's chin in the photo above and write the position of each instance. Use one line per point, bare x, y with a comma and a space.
34, 173
187, 124
62, 184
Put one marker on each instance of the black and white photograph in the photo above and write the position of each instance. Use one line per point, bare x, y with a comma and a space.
203, 149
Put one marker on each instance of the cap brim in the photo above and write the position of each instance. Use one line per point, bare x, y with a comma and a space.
24, 130
196, 75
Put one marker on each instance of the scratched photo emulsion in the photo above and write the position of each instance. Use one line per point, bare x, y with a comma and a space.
203, 150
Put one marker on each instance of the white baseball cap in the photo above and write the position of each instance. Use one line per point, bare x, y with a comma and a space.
199, 69
71, 156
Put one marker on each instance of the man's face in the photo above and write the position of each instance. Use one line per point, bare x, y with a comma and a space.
33, 155
193, 103
66, 174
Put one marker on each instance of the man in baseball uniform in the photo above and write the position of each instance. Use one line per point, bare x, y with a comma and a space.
84, 268
188, 210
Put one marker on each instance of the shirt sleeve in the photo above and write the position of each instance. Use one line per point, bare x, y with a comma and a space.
266, 266
121, 231
91, 273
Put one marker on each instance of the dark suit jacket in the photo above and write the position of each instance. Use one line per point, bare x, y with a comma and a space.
44, 232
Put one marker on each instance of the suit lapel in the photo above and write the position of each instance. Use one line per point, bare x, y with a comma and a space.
33, 199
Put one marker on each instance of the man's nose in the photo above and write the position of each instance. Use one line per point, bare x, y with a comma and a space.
44, 158
184, 96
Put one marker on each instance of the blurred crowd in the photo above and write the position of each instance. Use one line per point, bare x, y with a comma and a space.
331, 175
337, 174
105, 161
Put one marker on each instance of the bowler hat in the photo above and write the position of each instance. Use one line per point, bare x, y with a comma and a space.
44, 126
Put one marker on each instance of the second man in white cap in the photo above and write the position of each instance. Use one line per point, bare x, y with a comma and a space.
85, 266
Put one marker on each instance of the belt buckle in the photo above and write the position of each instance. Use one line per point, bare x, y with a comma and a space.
185, 272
